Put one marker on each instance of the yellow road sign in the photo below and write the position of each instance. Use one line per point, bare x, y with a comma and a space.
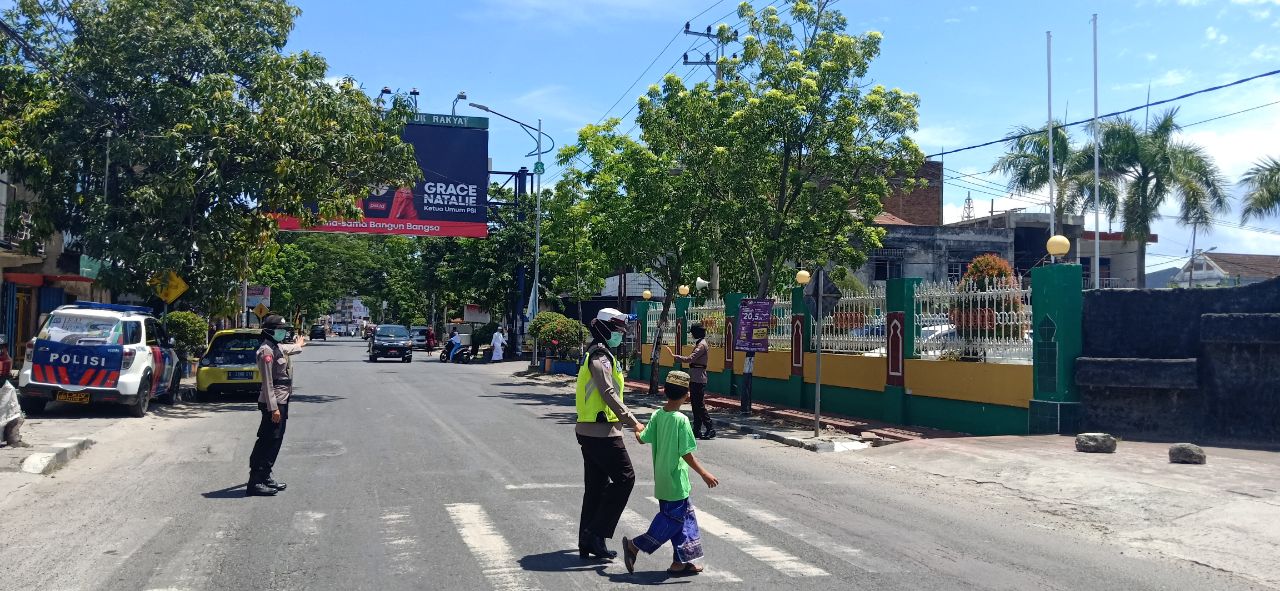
168, 286
261, 311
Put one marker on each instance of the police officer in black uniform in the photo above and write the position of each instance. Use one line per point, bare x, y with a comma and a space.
273, 403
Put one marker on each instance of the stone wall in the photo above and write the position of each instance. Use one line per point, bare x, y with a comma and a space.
1196, 365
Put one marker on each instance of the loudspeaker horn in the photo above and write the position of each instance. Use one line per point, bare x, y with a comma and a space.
701, 283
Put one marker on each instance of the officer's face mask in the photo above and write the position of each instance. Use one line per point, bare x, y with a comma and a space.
280, 335
615, 339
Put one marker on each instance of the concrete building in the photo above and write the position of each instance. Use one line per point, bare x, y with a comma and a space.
932, 253
1223, 269
34, 281
1117, 260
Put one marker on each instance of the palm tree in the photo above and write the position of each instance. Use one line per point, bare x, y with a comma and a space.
1152, 164
1025, 163
1262, 186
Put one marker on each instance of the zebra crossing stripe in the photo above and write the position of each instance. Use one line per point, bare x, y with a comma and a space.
636, 524
779, 560
817, 539
497, 560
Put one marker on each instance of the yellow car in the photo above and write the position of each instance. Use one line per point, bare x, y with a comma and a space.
230, 363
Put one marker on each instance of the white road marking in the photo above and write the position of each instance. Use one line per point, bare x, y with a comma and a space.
541, 486
635, 524
779, 560
497, 560
402, 547
819, 540
307, 522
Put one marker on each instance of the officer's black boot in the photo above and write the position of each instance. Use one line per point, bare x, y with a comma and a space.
257, 486
273, 483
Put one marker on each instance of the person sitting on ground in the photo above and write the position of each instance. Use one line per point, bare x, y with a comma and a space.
673, 446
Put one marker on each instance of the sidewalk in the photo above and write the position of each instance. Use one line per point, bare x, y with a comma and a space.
1224, 514
794, 426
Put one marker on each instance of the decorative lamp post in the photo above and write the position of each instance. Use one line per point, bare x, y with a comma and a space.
803, 278
647, 295
1058, 246
683, 290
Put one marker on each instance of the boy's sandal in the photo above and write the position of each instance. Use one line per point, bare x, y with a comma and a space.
628, 555
689, 568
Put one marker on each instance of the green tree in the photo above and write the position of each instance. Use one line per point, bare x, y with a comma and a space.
189, 331
814, 147
1152, 165
209, 125
574, 265
1026, 164
1262, 189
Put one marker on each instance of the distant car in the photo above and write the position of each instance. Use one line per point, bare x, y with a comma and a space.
90, 352
318, 333
392, 341
419, 337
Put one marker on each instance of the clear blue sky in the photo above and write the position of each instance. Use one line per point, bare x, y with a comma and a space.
979, 68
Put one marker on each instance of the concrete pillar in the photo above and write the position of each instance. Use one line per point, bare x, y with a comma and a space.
1057, 322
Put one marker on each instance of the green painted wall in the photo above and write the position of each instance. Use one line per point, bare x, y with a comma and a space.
853, 402
966, 417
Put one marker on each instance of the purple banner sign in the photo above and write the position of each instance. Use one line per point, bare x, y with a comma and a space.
754, 318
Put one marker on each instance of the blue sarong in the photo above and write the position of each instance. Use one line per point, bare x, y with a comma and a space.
677, 523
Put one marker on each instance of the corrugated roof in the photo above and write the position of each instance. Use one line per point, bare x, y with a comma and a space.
888, 219
1246, 265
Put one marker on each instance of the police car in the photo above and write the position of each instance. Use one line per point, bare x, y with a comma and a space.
89, 352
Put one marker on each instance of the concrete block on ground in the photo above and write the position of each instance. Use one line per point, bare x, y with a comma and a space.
1095, 443
49, 459
1186, 453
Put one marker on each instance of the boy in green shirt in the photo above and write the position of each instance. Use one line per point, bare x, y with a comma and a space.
673, 446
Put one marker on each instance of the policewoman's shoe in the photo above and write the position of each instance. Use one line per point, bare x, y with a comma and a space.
260, 490
272, 483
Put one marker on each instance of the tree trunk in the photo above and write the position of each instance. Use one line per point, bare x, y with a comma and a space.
657, 344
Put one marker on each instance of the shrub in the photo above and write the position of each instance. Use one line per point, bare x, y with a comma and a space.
986, 271
557, 334
189, 331
482, 335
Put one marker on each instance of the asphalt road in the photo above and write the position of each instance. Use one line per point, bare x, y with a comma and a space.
433, 476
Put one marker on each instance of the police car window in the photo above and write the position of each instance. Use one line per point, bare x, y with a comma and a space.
132, 333
153, 332
74, 329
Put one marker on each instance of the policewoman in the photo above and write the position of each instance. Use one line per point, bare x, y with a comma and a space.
607, 472
273, 404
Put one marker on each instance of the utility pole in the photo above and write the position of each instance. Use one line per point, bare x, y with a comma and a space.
719, 70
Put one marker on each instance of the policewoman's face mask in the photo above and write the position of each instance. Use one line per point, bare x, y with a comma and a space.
615, 339
280, 335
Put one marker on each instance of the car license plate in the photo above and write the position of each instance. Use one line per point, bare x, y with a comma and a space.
239, 375
392, 351
73, 397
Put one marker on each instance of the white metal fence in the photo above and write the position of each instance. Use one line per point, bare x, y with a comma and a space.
711, 315
668, 331
780, 324
972, 322
856, 325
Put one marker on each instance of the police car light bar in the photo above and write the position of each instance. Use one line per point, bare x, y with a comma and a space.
112, 307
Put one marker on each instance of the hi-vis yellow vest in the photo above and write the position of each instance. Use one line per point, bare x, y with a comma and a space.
588, 400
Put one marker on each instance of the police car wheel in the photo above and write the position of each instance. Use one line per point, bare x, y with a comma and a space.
139, 409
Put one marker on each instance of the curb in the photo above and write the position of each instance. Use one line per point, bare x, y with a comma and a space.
56, 456
813, 446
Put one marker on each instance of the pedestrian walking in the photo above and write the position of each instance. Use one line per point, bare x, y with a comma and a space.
673, 444
697, 361
607, 473
273, 404
498, 343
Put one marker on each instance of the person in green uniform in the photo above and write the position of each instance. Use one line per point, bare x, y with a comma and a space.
673, 446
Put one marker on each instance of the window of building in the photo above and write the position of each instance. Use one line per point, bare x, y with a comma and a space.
956, 271
884, 269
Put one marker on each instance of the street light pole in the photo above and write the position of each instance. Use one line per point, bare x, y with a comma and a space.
536, 134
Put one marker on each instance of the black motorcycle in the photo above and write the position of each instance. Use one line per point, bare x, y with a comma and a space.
463, 356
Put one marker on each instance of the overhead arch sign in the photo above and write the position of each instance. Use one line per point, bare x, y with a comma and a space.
452, 197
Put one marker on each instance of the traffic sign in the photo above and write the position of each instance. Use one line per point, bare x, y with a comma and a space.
830, 294
168, 286
539, 168
261, 311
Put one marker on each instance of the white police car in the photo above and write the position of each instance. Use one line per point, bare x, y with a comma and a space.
89, 352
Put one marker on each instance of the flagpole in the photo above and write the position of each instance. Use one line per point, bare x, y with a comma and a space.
1097, 183
1048, 44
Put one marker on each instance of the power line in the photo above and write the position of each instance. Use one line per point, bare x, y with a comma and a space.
1113, 114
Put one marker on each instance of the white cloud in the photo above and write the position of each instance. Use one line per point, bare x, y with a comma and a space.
929, 137
1169, 78
559, 13
553, 102
951, 20
1214, 35
1266, 53
1256, 2
1191, 2
1261, 14
1151, 57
